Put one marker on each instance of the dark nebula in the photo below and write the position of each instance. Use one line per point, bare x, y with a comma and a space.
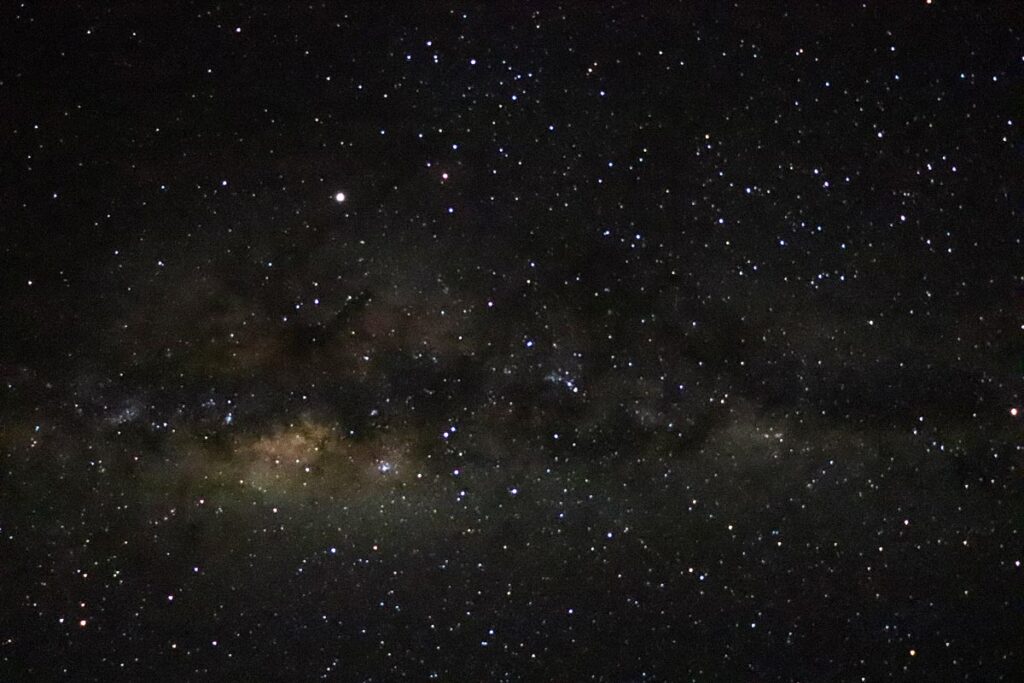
644, 341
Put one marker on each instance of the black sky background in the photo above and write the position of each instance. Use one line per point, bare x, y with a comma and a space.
652, 341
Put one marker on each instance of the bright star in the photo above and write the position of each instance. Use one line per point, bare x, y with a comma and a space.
340, 197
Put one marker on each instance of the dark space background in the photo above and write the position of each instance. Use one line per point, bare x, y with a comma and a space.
651, 341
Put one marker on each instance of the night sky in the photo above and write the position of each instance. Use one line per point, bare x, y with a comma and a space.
557, 341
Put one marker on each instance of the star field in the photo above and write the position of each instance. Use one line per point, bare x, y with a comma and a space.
536, 341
